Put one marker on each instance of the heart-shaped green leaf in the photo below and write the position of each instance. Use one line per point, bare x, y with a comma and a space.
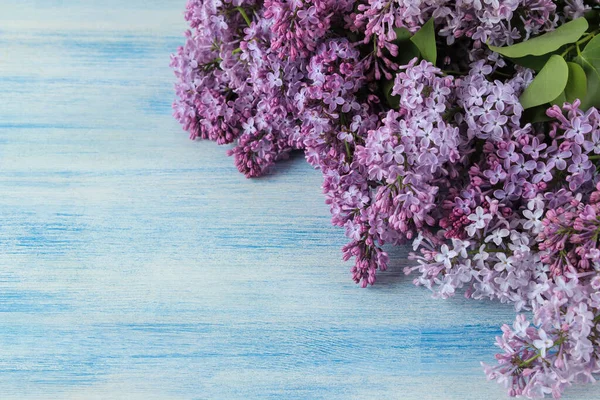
548, 84
535, 63
402, 34
560, 100
546, 43
577, 84
424, 39
535, 114
589, 60
406, 48
406, 52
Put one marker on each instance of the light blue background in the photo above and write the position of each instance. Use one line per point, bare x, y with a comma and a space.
136, 264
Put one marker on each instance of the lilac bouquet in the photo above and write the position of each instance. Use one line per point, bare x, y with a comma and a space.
468, 128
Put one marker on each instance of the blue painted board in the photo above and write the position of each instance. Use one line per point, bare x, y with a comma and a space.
136, 264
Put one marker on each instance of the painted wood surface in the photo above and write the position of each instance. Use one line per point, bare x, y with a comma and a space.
136, 264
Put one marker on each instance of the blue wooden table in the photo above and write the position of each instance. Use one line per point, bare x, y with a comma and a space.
136, 264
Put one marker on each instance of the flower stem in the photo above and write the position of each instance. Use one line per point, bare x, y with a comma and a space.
244, 15
348, 152
529, 360
586, 38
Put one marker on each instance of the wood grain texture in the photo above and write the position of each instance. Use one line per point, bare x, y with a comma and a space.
136, 264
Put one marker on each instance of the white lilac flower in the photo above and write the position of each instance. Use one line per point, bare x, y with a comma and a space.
498, 236
445, 256
480, 218
533, 220
543, 343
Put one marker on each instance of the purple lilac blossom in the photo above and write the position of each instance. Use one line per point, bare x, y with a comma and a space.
495, 207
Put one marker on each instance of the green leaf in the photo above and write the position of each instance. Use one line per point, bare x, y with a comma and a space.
535, 63
402, 34
406, 52
535, 114
577, 84
560, 100
406, 48
393, 101
548, 84
589, 60
424, 39
546, 43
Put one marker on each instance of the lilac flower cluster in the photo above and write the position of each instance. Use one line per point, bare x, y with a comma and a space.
481, 21
497, 204
525, 230
476, 21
